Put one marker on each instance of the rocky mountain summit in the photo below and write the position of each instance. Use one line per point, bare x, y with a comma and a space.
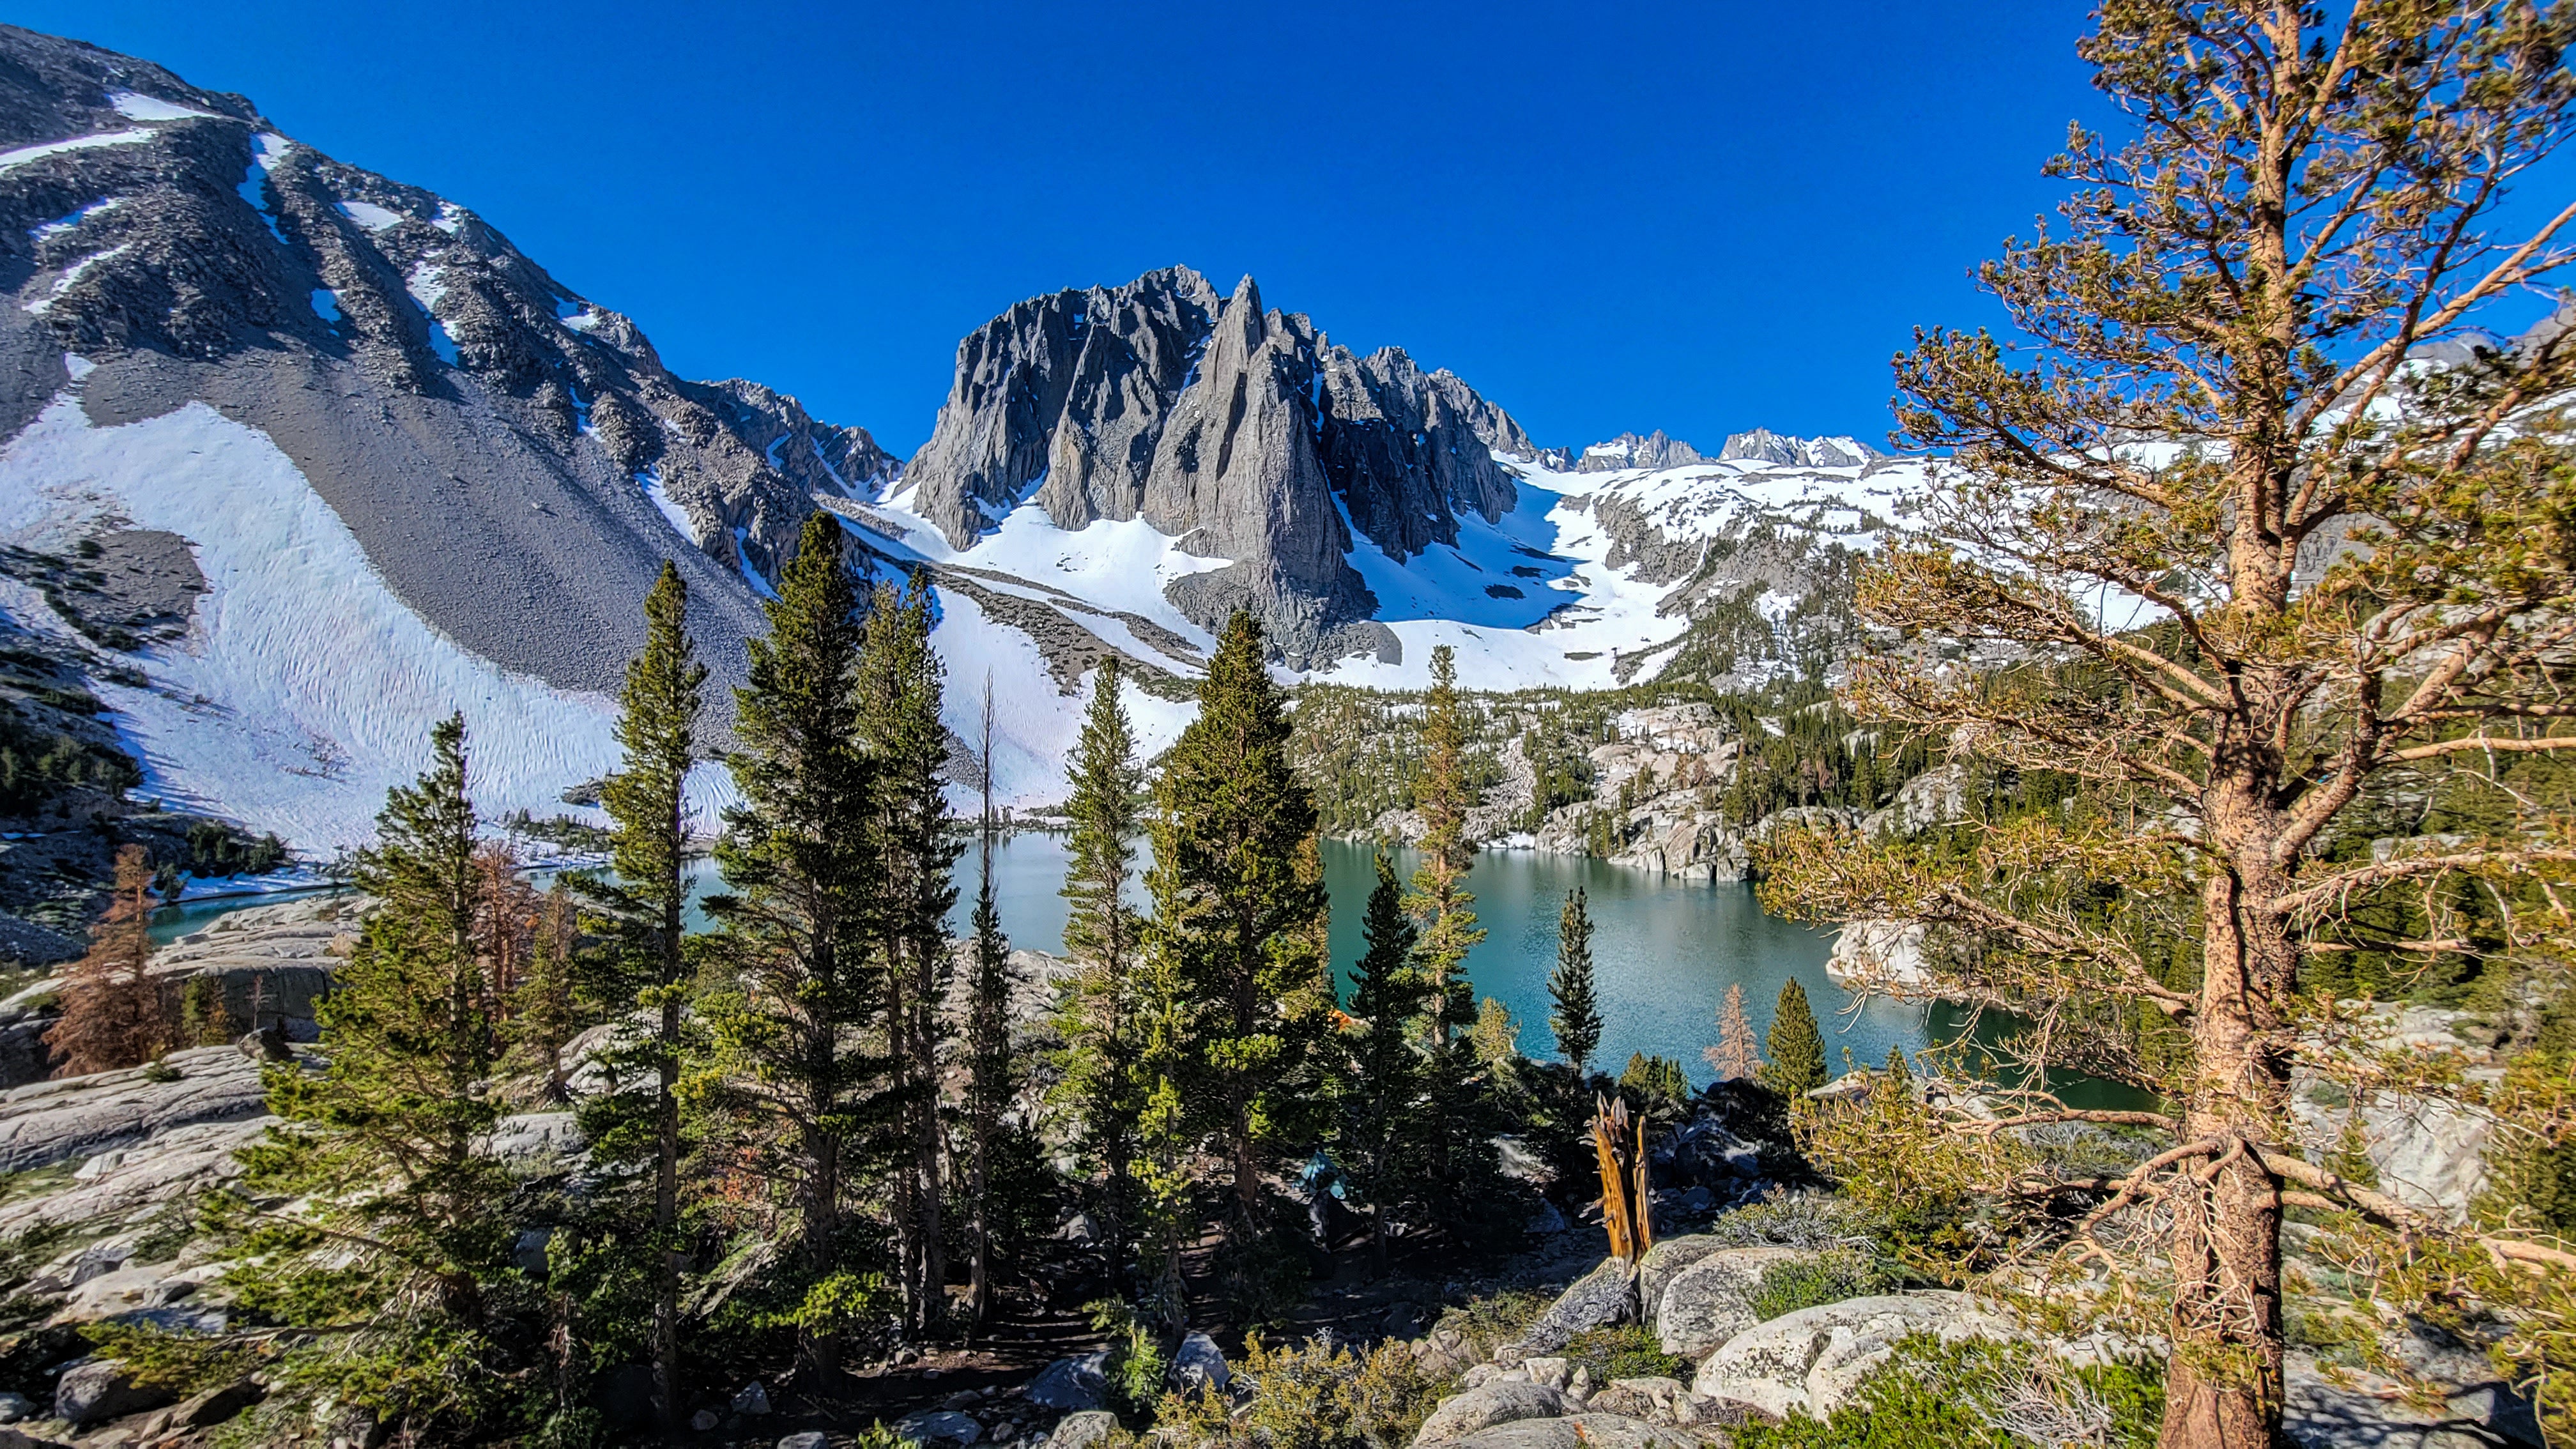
1241, 431
513, 458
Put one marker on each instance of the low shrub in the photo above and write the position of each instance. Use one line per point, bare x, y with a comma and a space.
1829, 1277
1628, 1352
1308, 1396
1981, 1395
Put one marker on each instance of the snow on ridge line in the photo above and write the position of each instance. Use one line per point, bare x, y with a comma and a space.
304, 689
135, 106
11, 160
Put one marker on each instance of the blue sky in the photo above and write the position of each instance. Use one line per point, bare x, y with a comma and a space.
1700, 217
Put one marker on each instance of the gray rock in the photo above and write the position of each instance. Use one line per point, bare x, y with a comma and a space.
1082, 1430
1710, 1301
1628, 450
808, 1439
704, 1420
1073, 1384
100, 1390
2366, 1411
536, 1139
938, 1426
1580, 1431
1198, 1366
528, 1253
47, 1122
1810, 1360
1498, 1402
1602, 1298
14, 1407
1667, 1257
752, 1399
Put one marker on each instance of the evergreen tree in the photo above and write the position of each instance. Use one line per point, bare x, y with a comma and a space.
1576, 1021
992, 1076
1234, 912
1735, 1058
113, 1015
1099, 1018
544, 1013
794, 934
1439, 900
1381, 1105
644, 907
1797, 1048
900, 683
367, 1222
1496, 1037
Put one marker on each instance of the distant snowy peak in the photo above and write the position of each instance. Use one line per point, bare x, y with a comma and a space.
1654, 450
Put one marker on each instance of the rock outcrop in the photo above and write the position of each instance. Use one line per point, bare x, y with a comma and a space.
1241, 430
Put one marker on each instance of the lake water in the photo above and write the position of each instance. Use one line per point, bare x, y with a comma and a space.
1664, 951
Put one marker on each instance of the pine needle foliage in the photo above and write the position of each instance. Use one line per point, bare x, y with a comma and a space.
113, 1012
793, 941
1380, 1109
1235, 910
1735, 1058
1576, 1019
1797, 1064
1099, 1020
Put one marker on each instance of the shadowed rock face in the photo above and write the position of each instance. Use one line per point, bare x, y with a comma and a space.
483, 430
1241, 430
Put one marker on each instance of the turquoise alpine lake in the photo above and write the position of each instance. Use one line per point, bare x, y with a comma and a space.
1664, 951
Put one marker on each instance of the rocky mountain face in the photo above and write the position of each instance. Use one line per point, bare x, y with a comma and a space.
512, 457
1240, 430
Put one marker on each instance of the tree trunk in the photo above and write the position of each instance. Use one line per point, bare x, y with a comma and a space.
666, 1219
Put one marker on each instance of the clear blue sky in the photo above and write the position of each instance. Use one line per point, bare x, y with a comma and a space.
1701, 217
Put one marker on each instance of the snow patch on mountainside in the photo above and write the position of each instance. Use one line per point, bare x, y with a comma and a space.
11, 160
305, 688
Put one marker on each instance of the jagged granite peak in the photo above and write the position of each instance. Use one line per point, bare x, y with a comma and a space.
1628, 450
1241, 429
1766, 446
513, 458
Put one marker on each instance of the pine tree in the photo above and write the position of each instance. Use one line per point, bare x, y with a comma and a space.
1439, 900
369, 1212
204, 1019
1735, 1058
644, 906
1234, 914
113, 1015
1381, 1105
992, 1076
1496, 1037
1576, 1021
1098, 1021
900, 684
794, 932
1797, 1047
544, 1010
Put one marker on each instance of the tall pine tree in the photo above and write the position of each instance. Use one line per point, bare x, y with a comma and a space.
1458, 1156
1234, 914
1381, 1106
992, 1076
900, 683
1576, 1021
367, 1222
802, 879
113, 1015
643, 907
1797, 1048
1099, 1020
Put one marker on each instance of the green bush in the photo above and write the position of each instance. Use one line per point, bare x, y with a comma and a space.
1312, 1396
1630, 1352
1489, 1323
1932, 1395
1829, 1277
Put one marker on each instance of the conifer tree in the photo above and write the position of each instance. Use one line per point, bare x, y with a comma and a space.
991, 1074
113, 1015
1439, 900
1735, 1058
1576, 1021
1797, 1048
797, 858
1380, 1108
1234, 914
1099, 1019
544, 1012
645, 906
1496, 1036
900, 683
395, 1231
